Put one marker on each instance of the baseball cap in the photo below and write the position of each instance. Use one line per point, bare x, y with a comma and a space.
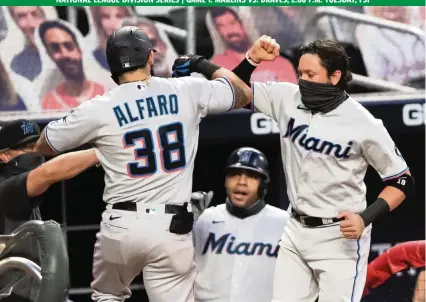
18, 133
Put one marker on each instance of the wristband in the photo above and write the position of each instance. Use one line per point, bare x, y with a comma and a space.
251, 61
207, 68
244, 71
379, 208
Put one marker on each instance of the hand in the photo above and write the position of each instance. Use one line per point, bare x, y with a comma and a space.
200, 202
264, 49
352, 226
185, 65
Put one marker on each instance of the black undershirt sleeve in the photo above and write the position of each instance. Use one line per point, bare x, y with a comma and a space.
14, 200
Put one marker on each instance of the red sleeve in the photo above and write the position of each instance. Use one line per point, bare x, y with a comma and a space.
398, 258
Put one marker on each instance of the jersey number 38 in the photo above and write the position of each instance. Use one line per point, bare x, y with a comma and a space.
170, 142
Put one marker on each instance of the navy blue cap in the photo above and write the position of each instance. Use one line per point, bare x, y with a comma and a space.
18, 133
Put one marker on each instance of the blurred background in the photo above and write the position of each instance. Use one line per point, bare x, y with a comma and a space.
44, 74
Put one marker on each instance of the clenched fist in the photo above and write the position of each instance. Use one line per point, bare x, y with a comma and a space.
264, 49
352, 226
185, 65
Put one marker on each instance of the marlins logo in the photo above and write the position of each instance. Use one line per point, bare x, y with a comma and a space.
245, 157
27, 128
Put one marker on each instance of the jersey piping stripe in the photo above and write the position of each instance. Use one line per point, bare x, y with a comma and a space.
252, 98
356, 269
233, 92
48, 141
396, 175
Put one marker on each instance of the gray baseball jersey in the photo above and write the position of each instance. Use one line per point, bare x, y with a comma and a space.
236, 257
325, 156
145, 135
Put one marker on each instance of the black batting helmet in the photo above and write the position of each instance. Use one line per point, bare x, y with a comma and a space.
250, 159
127, 48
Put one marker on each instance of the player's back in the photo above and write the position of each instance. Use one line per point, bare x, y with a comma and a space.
148, 141
148, 137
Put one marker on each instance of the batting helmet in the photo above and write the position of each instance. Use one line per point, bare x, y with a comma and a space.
127, 48
250, 159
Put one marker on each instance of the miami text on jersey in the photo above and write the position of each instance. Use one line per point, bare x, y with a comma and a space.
226, 243
300, 132
145, 108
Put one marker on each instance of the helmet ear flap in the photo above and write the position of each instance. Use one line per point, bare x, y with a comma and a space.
115, 79
263, 188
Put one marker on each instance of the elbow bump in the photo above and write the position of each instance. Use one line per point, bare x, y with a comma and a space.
405, 183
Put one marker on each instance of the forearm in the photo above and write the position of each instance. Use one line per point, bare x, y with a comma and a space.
396, 194
390, 198
243, 94
68, 165
60, 168
211, 71
393, 196
42, 146
244, 70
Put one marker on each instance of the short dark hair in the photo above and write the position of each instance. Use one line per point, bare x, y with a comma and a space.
332, 56
45, 26
220, 11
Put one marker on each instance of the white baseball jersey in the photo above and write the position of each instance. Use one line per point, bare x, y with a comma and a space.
325, 156
145, 134
236, 257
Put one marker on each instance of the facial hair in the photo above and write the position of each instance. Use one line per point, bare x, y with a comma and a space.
239, 46
68, 72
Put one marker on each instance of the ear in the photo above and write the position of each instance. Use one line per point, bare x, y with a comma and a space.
335, 77
151, 58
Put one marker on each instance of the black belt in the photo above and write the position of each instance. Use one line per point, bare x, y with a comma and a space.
313, 222
168, 209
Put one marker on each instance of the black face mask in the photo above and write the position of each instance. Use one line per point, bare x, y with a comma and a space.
319, 97
245, 212
22, 163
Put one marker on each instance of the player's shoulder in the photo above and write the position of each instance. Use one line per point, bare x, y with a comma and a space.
276, 212
213, 212
282, 91
194, 79
94, 103
356, 111
279, 86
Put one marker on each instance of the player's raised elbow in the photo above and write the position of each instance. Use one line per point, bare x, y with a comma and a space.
243, 95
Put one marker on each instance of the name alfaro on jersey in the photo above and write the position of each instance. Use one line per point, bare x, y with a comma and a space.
300, 133
146, 108
226, 244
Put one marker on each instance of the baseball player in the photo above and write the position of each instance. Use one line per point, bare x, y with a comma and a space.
327, 142
145, 133
236, 243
